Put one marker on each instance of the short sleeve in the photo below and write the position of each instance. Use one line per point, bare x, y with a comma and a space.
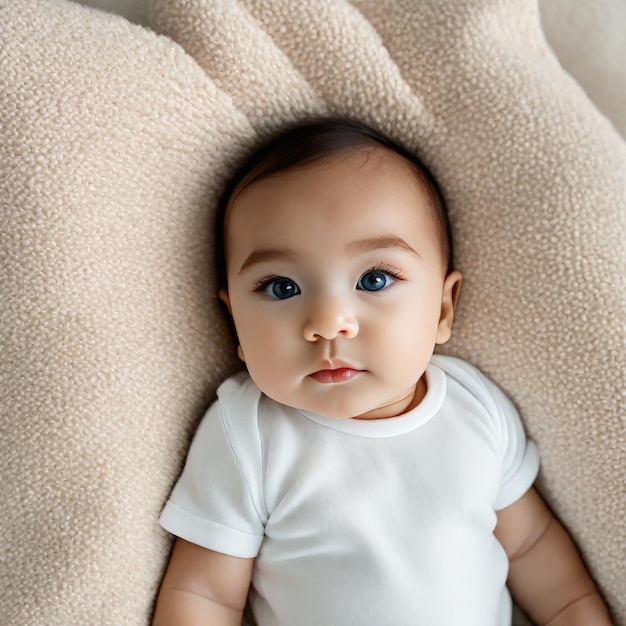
520, 457
211, 505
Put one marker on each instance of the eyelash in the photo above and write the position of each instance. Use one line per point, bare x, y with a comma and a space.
263, 283
394, 272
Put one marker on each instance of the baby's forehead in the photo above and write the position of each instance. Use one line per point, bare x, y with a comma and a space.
389, 162
386, 183
375, 161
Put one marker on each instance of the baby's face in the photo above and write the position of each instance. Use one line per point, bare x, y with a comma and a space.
337, 286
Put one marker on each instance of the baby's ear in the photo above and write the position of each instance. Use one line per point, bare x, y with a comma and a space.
223, 295
449, 298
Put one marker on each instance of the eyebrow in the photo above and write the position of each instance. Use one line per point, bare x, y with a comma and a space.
361, 245
264, 255
384, 241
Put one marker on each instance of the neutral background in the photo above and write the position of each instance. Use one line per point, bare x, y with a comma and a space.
587, 36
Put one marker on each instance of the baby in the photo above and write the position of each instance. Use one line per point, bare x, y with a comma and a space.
351, 476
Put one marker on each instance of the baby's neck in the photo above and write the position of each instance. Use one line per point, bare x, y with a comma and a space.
400, 406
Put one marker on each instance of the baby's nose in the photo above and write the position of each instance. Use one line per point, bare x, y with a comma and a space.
330, 320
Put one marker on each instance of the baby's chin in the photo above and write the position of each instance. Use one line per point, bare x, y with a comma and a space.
354, 410
361, 410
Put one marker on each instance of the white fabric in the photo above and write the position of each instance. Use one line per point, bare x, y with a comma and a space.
361, 522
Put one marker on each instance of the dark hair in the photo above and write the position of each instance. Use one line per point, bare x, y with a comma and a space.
310, 142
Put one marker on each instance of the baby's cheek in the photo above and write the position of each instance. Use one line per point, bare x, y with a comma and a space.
263, 348
413, 339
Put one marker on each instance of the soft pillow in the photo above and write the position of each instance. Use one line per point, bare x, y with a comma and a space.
588, 39
113, 145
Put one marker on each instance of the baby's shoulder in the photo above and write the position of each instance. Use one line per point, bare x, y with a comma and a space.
461, 372
230, 425
234, 384
238, 395
463, 378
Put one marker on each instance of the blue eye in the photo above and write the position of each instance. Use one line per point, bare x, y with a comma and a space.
375, 280
280, 288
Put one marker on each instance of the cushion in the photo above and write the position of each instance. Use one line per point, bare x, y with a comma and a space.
111, 145
588, 39
114, 143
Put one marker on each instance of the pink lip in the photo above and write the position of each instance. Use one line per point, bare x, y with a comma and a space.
338, 375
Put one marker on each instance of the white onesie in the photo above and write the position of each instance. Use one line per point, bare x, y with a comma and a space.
373, 523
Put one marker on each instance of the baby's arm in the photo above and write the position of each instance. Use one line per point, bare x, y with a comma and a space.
202, 588
546, 576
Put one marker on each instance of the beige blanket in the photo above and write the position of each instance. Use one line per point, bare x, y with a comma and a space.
113, 145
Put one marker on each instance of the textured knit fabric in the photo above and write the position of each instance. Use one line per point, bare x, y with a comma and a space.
114, 143
361, 521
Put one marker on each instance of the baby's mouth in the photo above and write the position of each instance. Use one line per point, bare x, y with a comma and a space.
336, 375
